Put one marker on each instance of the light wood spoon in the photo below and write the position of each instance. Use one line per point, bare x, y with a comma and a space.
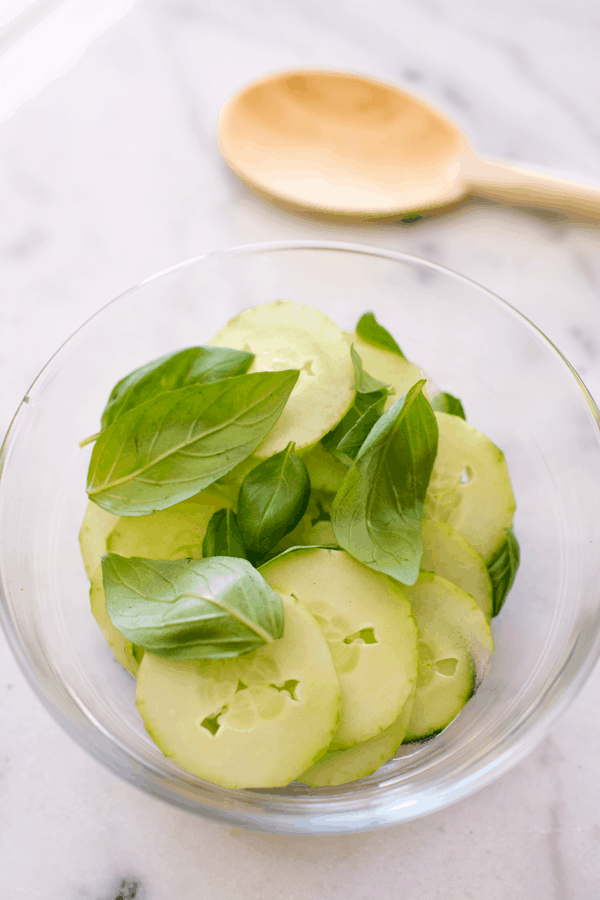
339, 144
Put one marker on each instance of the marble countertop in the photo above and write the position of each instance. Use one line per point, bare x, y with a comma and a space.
111, 173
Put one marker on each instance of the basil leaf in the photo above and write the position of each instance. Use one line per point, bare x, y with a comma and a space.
196, 365
191, 608
273, 498
353, 440
377, 512
503, 568
175, 445
370, 392
446, 403
365, 383
372, 332
362, 403
223, 536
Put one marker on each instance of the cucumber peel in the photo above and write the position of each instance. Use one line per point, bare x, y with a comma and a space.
455, 651
342, 766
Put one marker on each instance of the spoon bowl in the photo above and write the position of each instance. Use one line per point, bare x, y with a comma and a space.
339, 144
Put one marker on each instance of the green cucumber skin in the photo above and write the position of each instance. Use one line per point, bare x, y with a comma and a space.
449, 621
414, 737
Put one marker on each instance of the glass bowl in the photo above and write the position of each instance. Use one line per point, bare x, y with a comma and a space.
515, 386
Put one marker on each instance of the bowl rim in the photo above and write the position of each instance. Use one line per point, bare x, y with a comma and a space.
382, 811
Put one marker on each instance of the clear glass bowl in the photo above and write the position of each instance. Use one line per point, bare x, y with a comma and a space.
515, 386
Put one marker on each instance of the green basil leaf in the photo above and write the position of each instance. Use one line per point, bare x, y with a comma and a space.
446, 403
350, 444
191, 608
377, 512
175, 445
372, 332
223, 536
503, 568
196, 365
273, 498
371, 394
362, 403
365, 383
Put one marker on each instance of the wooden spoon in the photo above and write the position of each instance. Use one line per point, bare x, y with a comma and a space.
340, 144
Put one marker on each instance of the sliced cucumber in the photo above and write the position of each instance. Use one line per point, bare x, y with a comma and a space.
254, 722
315, 521
448, 554
285, 335
369, 627
455, 650
326, 472
124, 651
342, 766
388, 367
96, 526
173, 533
470, 486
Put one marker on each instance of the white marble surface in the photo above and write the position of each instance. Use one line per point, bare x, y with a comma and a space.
112, 173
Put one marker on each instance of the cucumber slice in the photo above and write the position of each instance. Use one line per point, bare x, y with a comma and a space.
314, 528
124, 651
455, 651
342, 766
388, 367
257, 721
96, 526
470, 486
173, 533
446, 553
369, 627
285, 335
326, 472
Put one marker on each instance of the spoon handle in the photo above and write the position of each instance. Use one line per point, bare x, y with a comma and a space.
515, 187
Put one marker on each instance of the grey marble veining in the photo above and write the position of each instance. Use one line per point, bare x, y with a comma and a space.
112, 173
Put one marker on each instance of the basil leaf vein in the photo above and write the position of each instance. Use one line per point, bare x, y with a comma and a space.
173, 446
223, 537
377, 512
213, 608
369, 329
273, 498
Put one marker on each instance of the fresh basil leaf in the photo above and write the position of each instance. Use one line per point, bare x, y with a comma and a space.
191, 608
350, 444
372, 332
175, 445
223, 536
446, 403
371, 394
273, 498
196, 365
361, 404
365, 383
503, 568
377, 512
